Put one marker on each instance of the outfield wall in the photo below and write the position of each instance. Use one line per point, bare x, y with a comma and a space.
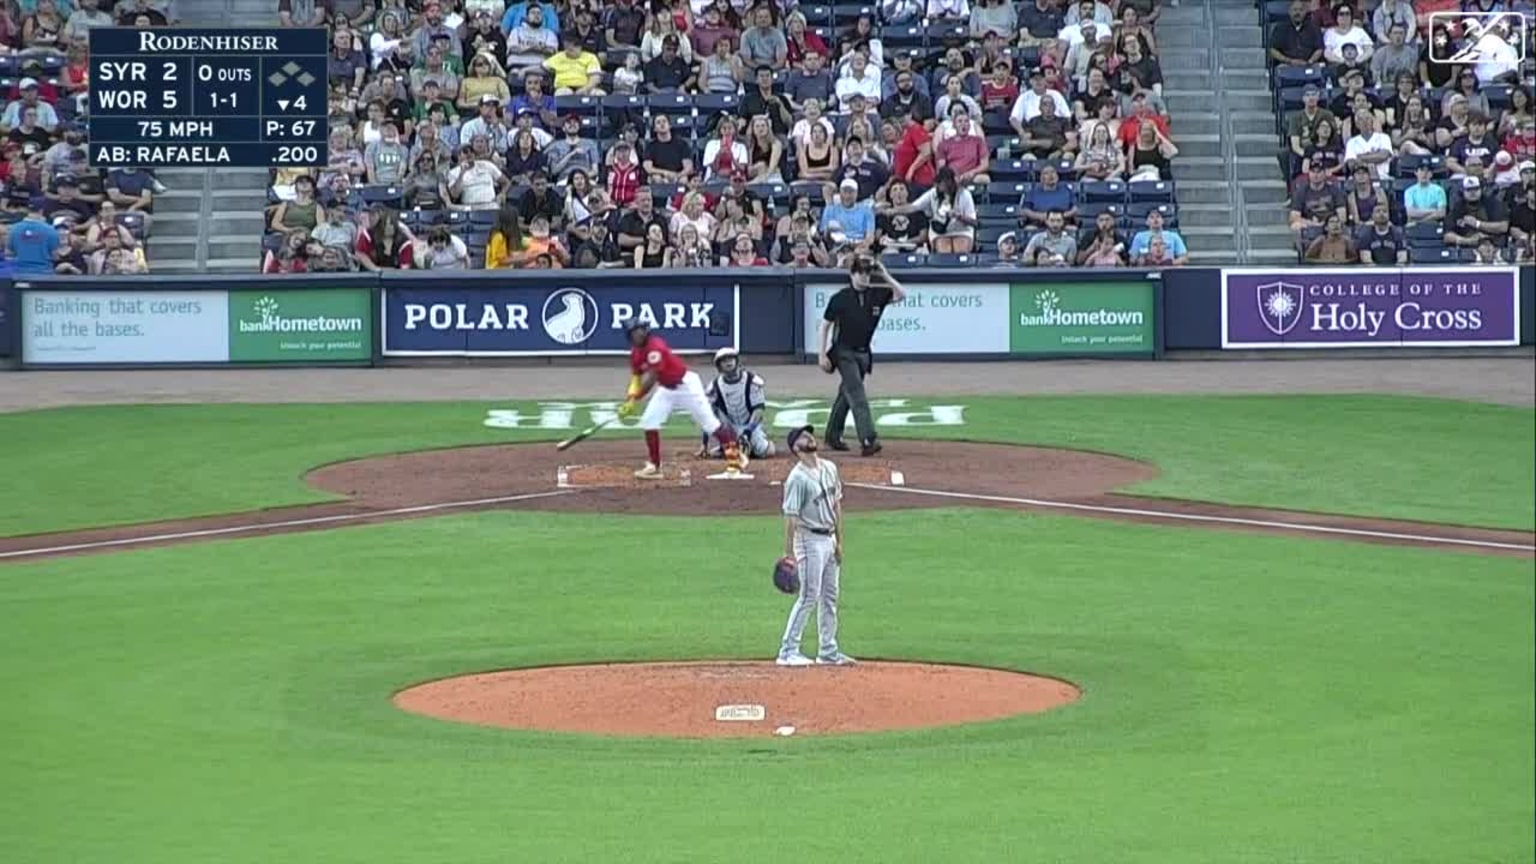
363, 319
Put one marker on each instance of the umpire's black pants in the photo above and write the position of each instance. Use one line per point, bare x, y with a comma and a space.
851, 365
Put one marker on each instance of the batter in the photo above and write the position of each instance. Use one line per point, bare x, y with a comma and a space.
739, 397
813, 536
656, 371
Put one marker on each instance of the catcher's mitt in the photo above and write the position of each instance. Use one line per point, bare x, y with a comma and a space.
786, 576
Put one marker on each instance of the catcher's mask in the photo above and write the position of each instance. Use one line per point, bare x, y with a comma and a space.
728, 363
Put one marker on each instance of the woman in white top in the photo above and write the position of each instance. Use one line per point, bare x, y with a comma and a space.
1346, 32
951, 214
801, 133
1100, 159
661, 27
693, 214
726, 153
391, 32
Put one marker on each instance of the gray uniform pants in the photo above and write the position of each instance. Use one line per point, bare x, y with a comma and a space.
819, 575
851, 368
756, 443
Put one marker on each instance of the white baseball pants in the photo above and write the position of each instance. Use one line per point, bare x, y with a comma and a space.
688, 396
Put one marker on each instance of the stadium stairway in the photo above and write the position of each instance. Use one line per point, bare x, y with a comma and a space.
211, 221
1219, 104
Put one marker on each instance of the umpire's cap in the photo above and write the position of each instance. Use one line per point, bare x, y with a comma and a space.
794, 436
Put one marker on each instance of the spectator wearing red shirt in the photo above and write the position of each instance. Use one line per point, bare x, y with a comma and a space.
913, 159
802, 41
1000, 89
965, 152
1141, 112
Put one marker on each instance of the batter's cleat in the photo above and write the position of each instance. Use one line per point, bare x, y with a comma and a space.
870, 449
836, 445
796, 659
838, 659
649, 472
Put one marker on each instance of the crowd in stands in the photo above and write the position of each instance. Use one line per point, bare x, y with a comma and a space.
1410, 136
58, 214
740, 133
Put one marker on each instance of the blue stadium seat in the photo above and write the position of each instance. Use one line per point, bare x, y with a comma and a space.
808, 187
1101, 190
995, 123
817, 15
1276, 11
844, 14
1441, 255
952, 260
947, 31
1090, 210
1499, 98
998, 213
669, 103
1160, 191
905, 262
1409, 163
1136, 214
580, 105
998, 192
623, 102
390, 196
1290, 98
482, 218
1012, 170
902, 37
1300, 76
134, 222
986, 236
715, 103
1425, 235
455, 219
272, 241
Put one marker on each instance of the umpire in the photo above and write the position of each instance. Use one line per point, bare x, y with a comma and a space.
851, 318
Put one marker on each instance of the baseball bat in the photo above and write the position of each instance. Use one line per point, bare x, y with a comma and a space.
583, 435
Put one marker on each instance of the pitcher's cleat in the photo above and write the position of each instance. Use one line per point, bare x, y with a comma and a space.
649, 472
838, 659
794, 660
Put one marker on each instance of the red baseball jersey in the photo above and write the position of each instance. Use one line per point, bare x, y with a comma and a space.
656, 356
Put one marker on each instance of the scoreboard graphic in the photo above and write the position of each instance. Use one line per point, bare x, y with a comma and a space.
208, 98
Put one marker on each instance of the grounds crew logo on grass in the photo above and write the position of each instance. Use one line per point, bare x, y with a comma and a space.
782, 415
1082, 318
300, 325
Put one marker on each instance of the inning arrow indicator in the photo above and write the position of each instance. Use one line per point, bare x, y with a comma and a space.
282, 104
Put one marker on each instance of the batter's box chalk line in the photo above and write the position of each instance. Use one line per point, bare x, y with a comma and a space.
684, 477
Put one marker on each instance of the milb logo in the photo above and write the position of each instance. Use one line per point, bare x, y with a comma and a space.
1482, 38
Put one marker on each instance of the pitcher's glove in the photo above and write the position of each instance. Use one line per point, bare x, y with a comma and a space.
786, 576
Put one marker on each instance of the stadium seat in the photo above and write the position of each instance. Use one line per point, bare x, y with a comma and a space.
905, 262
619, 102
951, 260
1159, 192
995, 123
947, 32
455, 219
1090, 191
808, 187
1425, 235
390, 196
1300, 76
715, 103
669, 103
1276, 11
902, 37
844, 14
997, 213
998, 192
817, 15
1440, 255
1012, 170
986, 235
582, 105
1409, 163
482, 218
1090, 210
1499, 98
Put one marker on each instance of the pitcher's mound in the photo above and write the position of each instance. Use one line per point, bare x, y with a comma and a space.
684, 700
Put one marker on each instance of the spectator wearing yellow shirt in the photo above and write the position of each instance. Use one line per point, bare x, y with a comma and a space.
506, 247
486, 77
576, 71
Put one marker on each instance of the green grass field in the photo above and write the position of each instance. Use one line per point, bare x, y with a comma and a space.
1247, 698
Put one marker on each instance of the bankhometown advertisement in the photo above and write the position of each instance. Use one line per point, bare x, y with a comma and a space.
311, 325
1045, 319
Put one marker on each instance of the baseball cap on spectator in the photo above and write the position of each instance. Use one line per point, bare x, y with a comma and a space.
1527, 165
1503, 159
1455, 98
569, 119
849, 183
490, 99
1471, 182
1311, 90
28, 82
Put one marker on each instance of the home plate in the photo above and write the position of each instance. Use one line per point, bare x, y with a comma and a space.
748, 713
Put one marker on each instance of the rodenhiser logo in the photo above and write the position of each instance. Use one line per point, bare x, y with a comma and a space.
271, 320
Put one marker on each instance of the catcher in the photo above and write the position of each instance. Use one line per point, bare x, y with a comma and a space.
813, 551
737, 395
